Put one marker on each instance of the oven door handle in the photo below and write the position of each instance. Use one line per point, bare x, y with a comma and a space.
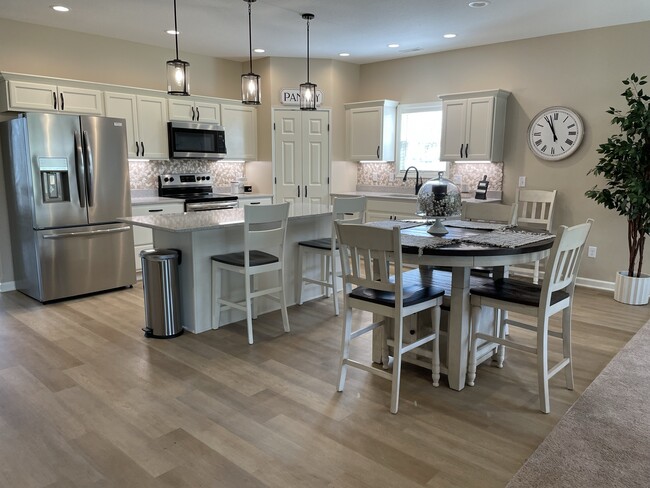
204, 206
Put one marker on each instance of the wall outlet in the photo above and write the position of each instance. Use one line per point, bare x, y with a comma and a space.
591, 251
522, 181
391, 177
375, 177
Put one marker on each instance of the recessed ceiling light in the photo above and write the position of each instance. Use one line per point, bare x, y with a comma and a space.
60, 8
393, 45
344, 55
259, 50
449, 36
172, 32
479, 4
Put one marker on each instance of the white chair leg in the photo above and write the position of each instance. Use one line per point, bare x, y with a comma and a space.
471, 366
299, 281
345, 347
501, 329
435, 358
216, 294
325, 291
542, 365
255, 303
249, 311
398, 332
283, 302
334, 284
566, 346
536, 273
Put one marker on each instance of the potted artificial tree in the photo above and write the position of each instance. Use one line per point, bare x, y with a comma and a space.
625, 164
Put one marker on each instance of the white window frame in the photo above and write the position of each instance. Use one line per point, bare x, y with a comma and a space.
400, 166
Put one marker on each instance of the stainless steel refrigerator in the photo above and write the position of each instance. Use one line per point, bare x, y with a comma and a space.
67, 180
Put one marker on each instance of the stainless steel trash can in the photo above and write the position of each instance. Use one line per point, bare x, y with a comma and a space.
160, 282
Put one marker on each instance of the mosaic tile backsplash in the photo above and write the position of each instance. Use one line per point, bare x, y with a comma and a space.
467, 174
144, 174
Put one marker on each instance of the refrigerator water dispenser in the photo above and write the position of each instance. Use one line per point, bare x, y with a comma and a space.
54, 179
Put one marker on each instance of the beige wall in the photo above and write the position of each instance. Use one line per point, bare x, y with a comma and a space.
581, 70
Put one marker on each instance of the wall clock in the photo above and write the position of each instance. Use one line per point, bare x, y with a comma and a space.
555, 133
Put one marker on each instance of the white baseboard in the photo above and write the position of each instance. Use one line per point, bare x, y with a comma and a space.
586, 282
8, 286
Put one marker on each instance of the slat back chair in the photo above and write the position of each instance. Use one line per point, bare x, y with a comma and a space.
489, 212
368, 255
265, 229
535, 209
352, 210
540, 302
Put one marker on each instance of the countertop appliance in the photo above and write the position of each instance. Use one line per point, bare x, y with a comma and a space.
196, 140
196, 190
67, 180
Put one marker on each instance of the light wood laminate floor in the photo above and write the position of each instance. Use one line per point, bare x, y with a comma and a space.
87, 401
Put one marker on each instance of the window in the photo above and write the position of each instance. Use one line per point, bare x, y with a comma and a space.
419, 128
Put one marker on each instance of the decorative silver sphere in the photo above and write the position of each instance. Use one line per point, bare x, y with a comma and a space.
439, 198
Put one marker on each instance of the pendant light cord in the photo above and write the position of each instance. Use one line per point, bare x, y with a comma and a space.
175, 29
250, 38
307, 50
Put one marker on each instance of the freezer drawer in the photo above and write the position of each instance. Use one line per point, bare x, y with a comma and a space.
81, 260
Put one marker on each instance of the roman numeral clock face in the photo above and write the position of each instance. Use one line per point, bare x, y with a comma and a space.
555, 133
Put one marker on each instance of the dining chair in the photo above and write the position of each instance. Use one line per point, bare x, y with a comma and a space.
368, 254
489, 212
352, 210
265, 229
535, 210
539, 302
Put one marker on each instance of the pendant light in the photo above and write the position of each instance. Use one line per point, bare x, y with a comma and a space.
250, 82
308, 90
178, 71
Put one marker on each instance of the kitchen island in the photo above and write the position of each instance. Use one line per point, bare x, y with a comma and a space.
200, 235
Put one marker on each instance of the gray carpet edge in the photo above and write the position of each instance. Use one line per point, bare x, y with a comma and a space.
603, 440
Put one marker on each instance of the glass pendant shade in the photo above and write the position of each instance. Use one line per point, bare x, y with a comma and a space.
250, 82
250, 89
178, 77
307, 96
178, 71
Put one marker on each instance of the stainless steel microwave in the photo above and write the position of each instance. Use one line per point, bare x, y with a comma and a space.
196, 140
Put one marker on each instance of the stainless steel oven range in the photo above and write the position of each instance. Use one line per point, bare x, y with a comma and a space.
196, 190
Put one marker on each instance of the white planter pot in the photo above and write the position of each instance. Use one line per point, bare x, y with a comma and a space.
633, 291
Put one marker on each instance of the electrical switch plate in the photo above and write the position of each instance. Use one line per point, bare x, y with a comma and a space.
391, 177
522, 181
591, 251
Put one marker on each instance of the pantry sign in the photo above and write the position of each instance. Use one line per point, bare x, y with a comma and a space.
292, 97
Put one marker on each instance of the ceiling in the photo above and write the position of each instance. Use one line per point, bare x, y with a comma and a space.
362, 28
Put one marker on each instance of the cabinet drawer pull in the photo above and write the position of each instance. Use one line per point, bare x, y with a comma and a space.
198, 114
466, 150
142, 144
55, 99
461, 151
137, 149
153, 210
377, 152
62, 102
192, 108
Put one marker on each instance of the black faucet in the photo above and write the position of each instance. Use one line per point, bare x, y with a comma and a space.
418, 180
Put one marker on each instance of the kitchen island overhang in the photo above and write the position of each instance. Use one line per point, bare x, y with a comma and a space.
201, 235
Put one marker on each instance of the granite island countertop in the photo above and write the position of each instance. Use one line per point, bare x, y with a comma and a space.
214, 219
492, 196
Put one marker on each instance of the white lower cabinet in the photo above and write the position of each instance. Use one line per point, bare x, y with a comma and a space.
142, 236
390, 209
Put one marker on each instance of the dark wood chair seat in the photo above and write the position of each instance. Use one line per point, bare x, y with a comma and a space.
257, 258
323, 243
516, 291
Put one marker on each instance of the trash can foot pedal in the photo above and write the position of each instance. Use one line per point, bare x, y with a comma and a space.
149, 334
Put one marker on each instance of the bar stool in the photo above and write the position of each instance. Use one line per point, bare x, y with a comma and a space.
353, 211
265, 227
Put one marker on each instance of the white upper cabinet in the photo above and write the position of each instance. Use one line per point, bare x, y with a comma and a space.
146, 123
371, 130
473, 126
194, 110
240, 124
21, 95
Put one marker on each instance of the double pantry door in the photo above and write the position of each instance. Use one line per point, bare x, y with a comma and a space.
301, 156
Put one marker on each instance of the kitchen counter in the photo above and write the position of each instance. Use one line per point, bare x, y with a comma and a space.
214, 219
410, 196
201, 235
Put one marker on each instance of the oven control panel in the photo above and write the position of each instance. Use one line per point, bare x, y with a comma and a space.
183, 180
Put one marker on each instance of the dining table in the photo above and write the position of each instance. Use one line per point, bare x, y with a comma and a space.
467, 245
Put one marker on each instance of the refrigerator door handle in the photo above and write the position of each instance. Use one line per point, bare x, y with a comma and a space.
81, 174
90, 170
88, 233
